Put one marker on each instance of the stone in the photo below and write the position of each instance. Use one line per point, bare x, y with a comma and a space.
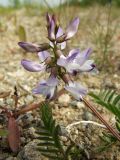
10, 158
64, 99
30, 152
80, 105
1, 76
29, 98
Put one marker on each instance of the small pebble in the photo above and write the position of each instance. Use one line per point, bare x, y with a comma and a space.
64, 139
1, 76
29, 98
2, 102
65, 98
9, 101
80, 105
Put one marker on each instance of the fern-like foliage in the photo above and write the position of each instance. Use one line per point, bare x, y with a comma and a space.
109, 99
107, 141
50, 144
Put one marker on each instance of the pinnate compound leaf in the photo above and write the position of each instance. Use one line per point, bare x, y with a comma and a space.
50, 144
108, 99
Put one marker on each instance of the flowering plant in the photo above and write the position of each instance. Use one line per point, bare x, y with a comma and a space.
57, 64
60, 67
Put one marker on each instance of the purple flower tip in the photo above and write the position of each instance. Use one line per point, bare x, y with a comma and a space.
29, 47
32, 66
72, 28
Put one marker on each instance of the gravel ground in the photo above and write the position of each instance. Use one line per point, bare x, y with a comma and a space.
65, 110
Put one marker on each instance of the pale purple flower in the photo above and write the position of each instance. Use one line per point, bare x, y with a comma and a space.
76, 61
32, 66
77, 90
58, 65
47, 88
43, 55
54, 38
56, 34
51, 30
51, 24
72, 28
36, 67
29, 47
59, 34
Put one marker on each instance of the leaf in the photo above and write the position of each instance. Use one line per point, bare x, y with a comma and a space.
111, 94
48, 150
46, 144
49, 145
13, 134
116, 100
43, 133
22, 33
28, 108
109, 99
118, 126
47, 138
54, 157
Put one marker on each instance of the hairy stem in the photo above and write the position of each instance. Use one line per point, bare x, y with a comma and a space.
115, 133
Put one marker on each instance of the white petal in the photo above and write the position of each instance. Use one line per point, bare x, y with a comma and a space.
61, 61
72, 28
47, 88
43, 55
59, 33
77, 90
87, 66
63, 45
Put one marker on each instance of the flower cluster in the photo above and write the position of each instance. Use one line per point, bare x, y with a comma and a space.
58, 65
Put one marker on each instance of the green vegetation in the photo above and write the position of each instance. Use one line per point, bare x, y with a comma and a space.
91, 2
111, 101
50, 144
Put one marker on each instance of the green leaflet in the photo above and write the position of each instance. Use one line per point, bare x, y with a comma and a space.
108, 99
49, 145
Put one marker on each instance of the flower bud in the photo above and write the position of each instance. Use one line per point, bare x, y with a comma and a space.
44, 46
59, 53
31, 47
61, 38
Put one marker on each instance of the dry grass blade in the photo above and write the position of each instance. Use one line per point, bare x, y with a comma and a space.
29, 107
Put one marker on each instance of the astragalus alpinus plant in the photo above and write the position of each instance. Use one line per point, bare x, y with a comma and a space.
61, 67
58, 65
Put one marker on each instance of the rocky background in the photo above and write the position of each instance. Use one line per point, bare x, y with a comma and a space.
65, 110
